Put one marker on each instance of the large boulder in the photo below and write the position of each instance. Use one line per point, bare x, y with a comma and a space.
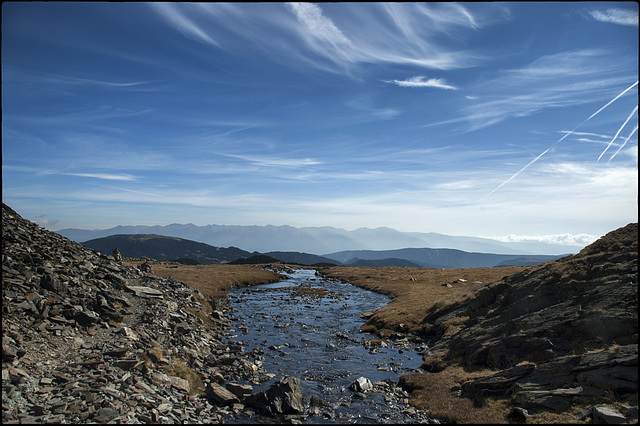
283, 397
220, 395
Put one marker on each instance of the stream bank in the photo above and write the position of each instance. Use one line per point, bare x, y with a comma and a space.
307, 327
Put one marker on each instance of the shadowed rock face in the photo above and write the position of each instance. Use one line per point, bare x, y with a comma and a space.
283, 397
575, 321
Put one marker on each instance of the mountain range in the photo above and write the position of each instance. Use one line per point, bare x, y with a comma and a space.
321, 240
435, 258
172, 248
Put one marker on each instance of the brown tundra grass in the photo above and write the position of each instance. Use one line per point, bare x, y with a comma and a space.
412, 292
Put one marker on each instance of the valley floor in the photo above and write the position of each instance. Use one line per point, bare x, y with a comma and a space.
413, 291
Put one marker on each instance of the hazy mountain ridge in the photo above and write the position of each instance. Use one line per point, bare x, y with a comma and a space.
438, 258
320, 240
171, 248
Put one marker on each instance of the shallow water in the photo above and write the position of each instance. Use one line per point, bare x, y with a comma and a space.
307, 327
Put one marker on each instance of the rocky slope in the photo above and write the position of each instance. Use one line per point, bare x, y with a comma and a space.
559, 334
88, 339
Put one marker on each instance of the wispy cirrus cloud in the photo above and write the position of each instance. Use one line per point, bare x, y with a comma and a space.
552, 81
615, 16
105, 176
318, 27
101, 176
339, 37
272, 161
16, 74
400, 34
422, 81
177, 17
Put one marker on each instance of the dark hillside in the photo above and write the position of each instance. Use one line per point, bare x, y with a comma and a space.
87, 339
298, 258
379, 263
561, 333
165, 248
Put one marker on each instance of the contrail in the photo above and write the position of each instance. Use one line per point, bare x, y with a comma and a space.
523, 169
567, 134
617, 133
625, 142
611, 101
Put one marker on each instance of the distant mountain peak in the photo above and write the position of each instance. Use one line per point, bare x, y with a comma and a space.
321, 240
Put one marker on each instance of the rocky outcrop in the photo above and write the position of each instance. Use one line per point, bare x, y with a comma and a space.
88, 339
283, 397
564, 332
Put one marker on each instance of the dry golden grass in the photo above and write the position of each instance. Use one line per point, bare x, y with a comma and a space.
414, 290
213, 281
433, 392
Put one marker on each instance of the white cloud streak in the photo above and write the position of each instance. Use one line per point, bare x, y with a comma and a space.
567, 134
552, 81
618, 133
616, 16
635, 129
101, 176
172, 14
13, 74
105, 176
265, 161
319, 27
421, 81
339, 37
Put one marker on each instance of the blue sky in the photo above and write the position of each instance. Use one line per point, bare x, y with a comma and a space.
481, 119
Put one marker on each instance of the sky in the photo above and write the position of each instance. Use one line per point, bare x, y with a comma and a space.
509, 120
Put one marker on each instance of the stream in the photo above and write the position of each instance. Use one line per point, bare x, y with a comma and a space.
307, 327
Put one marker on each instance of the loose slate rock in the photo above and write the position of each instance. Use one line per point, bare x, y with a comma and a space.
142, 291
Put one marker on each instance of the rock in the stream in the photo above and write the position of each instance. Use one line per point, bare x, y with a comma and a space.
283, 397
362, 384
